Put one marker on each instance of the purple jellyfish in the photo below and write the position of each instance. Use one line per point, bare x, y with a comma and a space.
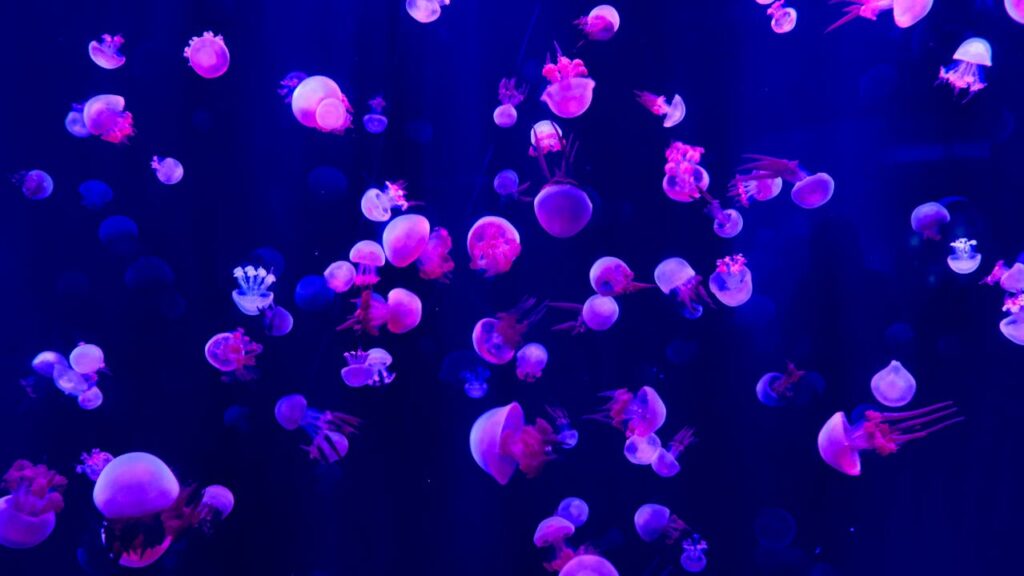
570, 91
610, 276
530, 361
794, 386
639, 414
601, 24
435, 263
575, 510
510, 94
425, 11
684, 180
809, 191
107, 54
692, 559
598, 313
277, 321
35, 184
75, 122
500, 441
86, 358
964, 259
405, 310
368, 368
760, 190
367, 255
168, 170
371, 313
893, 386
208, 55
376, 122
677, 278
329, 431
783, 17
906, 13
317, 102
29, 514
93, 462
497, 339
659, 106
506, 184
340, 276
1015, 8
545, 137
377, 205
966, 72
493, 244
588, 565
666, 462
561, 207
105, 116
405, 238
731, 282
928, 218
568, 436
233, 352
656, 522
253, 294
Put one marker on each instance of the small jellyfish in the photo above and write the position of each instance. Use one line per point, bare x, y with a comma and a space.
570, 91
760, 190
610, 276
340, 276
906, 13
435, 262
660, 106
840, 444
376, 122
208, 55
575, 510
91, 399
641, 450
588, 565
655, 522
29, 514
465, 369
45, 362
530, 361
677, 278
95, 194
277, 321
233, 352
510, 94
506, 184
405, 238
731, 282
312, 293
405, 310
367, 255
93, 462
107, 53
598, 313
371, 313
35, 184
497, 339
794, 386
105, 116
774, 528
964, 259
726, 223
928, 218
329, 431
545, 137
425, 11
368, 368
966, 72
639, 414
377, 205
317, 102
493, 244
893, 386
601, 24
74, 122
253, 295
86, 358
216, 505
1015, 8
568, 436
501, 441
809, 191
684, 179
666, 462
693, 559
783, 17
168, 170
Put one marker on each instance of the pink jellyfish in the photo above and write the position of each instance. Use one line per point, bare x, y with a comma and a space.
405, 310
966, 72
693, 559
610, 276
425, 11
86, 358
371, 313
368, 368
107, 53
809, 191
105, 117
377, 205
500, 441
659, 106
493, 245
684, 178
666, 462
641, 450
601, 24
1015, 8
233, 352
530, 361
884, 432
656, 522
588, 565
168, 170
783, 17
253, 294
317, 102
928, 218
367, 255
510, 94
35, 184
29, 514
45, 362
435, 262
552, 533
675, 277
893, 385
93, 463
906, 13
545, 137
376, 122
731, 282
570, 91
760, 190
405, 238
775, 389
640, 414
965, 258
208, 55
497, 339
598, 313
340, 276
328, 430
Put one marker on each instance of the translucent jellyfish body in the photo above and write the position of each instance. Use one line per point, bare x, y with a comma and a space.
497, 339
105, 116
93, 463
405, 310
610, 276
493, 244
639, 414
675, 277
562, 208
277, 321
575, 510
726, 223
29, 514
553, 532
600, 24
672, 113
970, 59
253, 294
684, 179
317, 102
813, 191
377, 205
376, 122
501, 441
367, 255
465, 369
545, 137
1015, 8
964, 259
588, 565
168, 170
74, 122
208, 55
666, 461
600, 312
405, 238
530, 361
233, 352
45, 362
1013, 328
570, 91
328, 431
35, 184
760, 190
371, 313
435, 262
506, 184
783, 17
906, 13
95, 194
86, 358
655, 522
809, 190
692, 558
641, 450
840, 444
340, 276
368, 368
106, 52
567, 436
731, 282
792, 387
893, 385
928, 219
510, 94
425, 11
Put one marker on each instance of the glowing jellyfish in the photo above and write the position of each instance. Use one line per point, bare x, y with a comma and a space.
964, 259
639, 414
329, 431
562, 208
371, 313
74, 122
340, 276
545, 137
809, 191
506, 184
208, 55
575, 510
928, 218
1013, 278
656, 522
70, 381
35, 184
893, 386
405, 238
493, 244
726, 223
367, 255
601, 24
693, 559
105, 116
368, 368
1015, 8
684, 180
435, 262
277, 321
377, 205
29, 514
425, 11
376, 122
966, 72
168, 170
675, 277
906, 13
553, 531
783, 17
570, 91
233, 352
317, 102
45, 362
95, 194
588, 565
666, 462
510, 94
731, 281
530, 361
86, 358
610, 276
93, 462
216, 504
500, 441
840, 444
793, 386
760, 190
659, 106
253, 295
91, 399
107, 53
1013, 325
641, 450
497, 339
599, 312
405, 310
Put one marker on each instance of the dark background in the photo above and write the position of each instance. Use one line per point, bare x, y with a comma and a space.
841, 290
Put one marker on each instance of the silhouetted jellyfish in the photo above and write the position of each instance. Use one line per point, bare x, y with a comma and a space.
376, 122
666, 462
964, 258
168, 170
598, 313
117, 230
465, 369
570, 91
1015, 8
377, 205
35, 184
966, 72
659, 106
493, 244
208, 55
29, 514
425, 11
928, 218
405, 238
368, 368
588, 565
371, 313
340, 276
774, 528
510, 94
760, 190
575, 510
731, 281
601, 24
435, 262
809, 190
783, 17
610, 276
656, 522
567, 436
107, 53
95, 194
684, 179
312, 293
793, 387
105, 116
253, 295
530, 361
367, 255
639, 414
317, 102
906, 13
500, 441
75, 122
86, 359
405, 310
497, 339
884, 432
233, 352
545, 137
693, 559
277, 321
45, 362
328, 430
893, 386
677, 278
93, 462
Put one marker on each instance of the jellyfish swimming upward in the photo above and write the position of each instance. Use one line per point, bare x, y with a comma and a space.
253, 294
783, 17
570, 90
493, 244
329, 431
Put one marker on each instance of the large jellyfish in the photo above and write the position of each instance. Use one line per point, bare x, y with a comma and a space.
233, 352
530, 361
377, 205
601, 23
783, 17
610, 276
510, 94
35, 184
107, 52
368, 368
673, 112
340, 276
1015, 8
893, 385
598, 313
809, 190
840, 444
376, 122
575, 510
639, 414
317, 102
906, 13
500, 441
493, 244
328, 430
105, 116
588, 565
570, 91
497, 339
545, 137
168, 170
367, 255
666, 462
677, 278
731, 282
208, 55
693, 559
29, 514
425, 11
253, 294
435, 262
964, 259
794, 386
405, 238
966, 72
928, 219
656, 522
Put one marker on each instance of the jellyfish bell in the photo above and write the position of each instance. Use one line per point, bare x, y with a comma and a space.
488, 343
218, 501
641, 450
29, 514
966, 72
610, 276
317, 102
530, 361
493, 244
964, 259
405, 238
133, 485
783, 18
290, 411
277, 321
588, 565
340, 276
19, 531
106, 117
404, 310
505, 116
485, 440
974, 51
1013, 328
675, 113
575, 510
562, 209
728, 224
570, 91
552, 531
906, 13
893, 385
1015, 8
168, 170
208, 55
425, 11
601, 23
813, 191
74, 122
45, 362
731, 282
35, 184
545, 137
107, 54
1013, 280
928, 218
651, 521
835, 448
692, 559
600, 312
368, 256
68, 380
253, 294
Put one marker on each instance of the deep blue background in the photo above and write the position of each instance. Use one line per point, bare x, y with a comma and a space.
840, 290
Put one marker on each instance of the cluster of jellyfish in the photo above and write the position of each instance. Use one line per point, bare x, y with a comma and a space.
75, 375
318, 102
1011, 280
928, 220
610, 277
792, 387
731, 283
501, 441
655, 523
552, 538
328, 431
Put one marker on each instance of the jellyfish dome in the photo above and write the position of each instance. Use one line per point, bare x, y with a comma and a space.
964, 259
19, 531
835, 447
29, 515
728, 223
813, 191
493, 244
552, 531
588, 565
404, 310
974, 51
545, 136
732, 282
1015, 8
641, 450
928, 218
86, 358
107, 54
425, 11
530, 361
168, 170
506, 183
893, 385
562, 209
36, 184
106, 117
134, 485
405, 238
208, 55
340, 276
906, 13
601, 24
783, 18
218, 499
692, 558
95, 194
489, 342
485, 440
45, 362
317, 102
575, 510
610, 276
369, 256
600, 312
651, 520
1013, 328
290, 411
74, 122
570, 92
966, 72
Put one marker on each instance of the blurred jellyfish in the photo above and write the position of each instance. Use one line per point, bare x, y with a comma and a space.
510, 94
575, 510
71, 382
553, 532
639, 414
530, 361
567, 436
677, 278
95, 194
29, 514
168, 170
684, 179
610, 276
928, 218
666, 462
966, 72
329, 431
570, 91
216, 504
45, 362
727, 223
208, 55
809, 191
35, 184
405, 238
588, 565
435, 262
545, 137
425, 11
783, 17
497, 339
405, 310
760, 190
116, 230
148, 272
340, 276
659, 106
884, 432
107, 53
692, 559
371, 313
277, 321
1015, 8
794, 386
317, 102
233, 352
86, 358
906, 13
376, 122
506, 184
493, 244
74, 122
367, 255
601, 24
656, 522
93, 462
312, 293
377, 205
893, 386
465, 369
1013, 325
253, 295
731, 282
500, 441
598, 313
775, 528
368, 368
105, 116
964, 259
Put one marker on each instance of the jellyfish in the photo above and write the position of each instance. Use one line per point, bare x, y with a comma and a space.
964, 259
74, 122
567, 436
368, 368
965, 73
659, 106
340, 276
684, 178
29, 514
639, 414
906, 13
216, 504
105, 116
561, 207
404, 311
575, 510
435, 262
497, 339
328, 430
233, 352
405, 238
641, 450
600, 24
783, 17
1015, 8
692, 559
570, 91
809, 191
317, 102
610, 276
93, 462
465, 369
46, 362
168, 170
376, 122
793, 386
1013, 325
493, 244
107, 54
367, 255
588, 565
71, 382
277, 321
598, 313
893, 386
760, 190
208, 55
425, 11
35, 184
253, 295
510, 94
371, 313
506, 184
86, 358
530, 361
500, 441
725, 223
95, 194
731, 282
553, 532
666, 462
840, 444
545, 137
656, 522
377, 205
928, 218
677, 278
